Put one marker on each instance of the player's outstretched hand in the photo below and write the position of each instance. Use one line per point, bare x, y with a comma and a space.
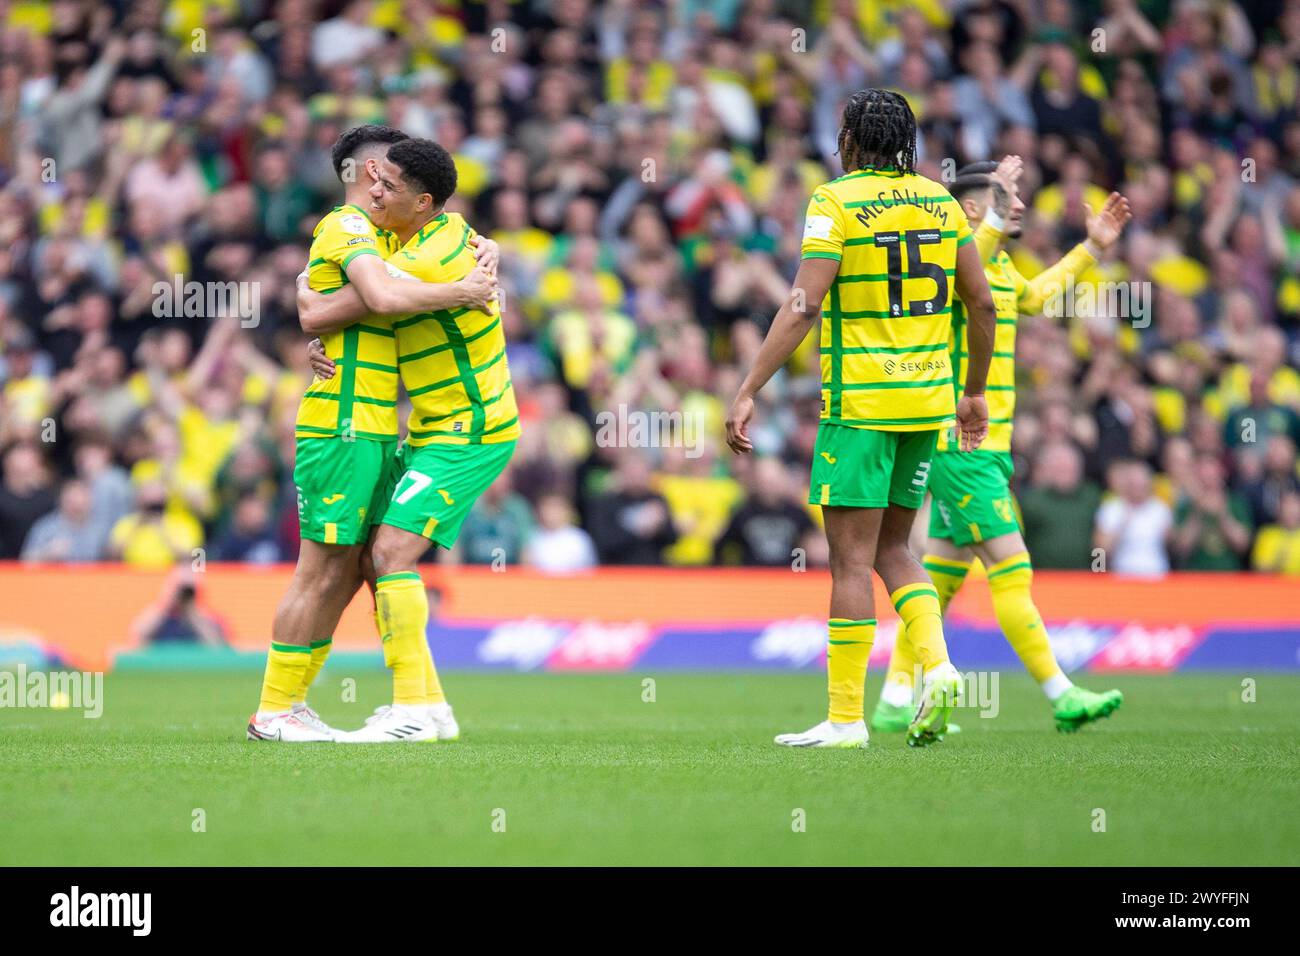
742, 410
972, 421
320, 363
479, 288
1104, 227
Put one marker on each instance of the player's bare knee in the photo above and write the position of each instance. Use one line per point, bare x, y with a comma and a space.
385, 558
850, 564
893, 558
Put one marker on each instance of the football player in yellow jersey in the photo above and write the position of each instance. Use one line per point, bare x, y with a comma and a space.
462, 428
346, 431
971, 513
884, 250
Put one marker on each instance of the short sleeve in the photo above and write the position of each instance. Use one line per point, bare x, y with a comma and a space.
345, 237
823, 227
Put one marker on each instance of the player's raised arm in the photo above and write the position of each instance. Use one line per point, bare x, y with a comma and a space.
1104, 229
800, 311
973, 287
993, 227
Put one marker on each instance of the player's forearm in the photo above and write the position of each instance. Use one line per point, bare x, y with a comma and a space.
1053, 280
988, 237
387, 296
789, 328
981, 328
319, 314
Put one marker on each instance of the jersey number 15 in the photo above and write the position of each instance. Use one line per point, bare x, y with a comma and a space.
917, 268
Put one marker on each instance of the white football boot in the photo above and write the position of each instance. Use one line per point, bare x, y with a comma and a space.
312, 719
392, 724
288, 729
827, 734
444, 720
439, 714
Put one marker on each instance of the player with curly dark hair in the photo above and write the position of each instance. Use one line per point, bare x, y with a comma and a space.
885, 252
878, 130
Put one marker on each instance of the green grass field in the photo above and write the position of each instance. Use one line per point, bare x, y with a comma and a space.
588, 773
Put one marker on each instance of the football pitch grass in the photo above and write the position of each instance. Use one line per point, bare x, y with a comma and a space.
579, 769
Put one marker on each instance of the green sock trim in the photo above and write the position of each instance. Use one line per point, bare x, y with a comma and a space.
290, 648
848, 642
844, 622
945, 569
1023, 565
317, 645
898, 605
397, 576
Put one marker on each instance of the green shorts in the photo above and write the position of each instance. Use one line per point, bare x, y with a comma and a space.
972, 496
433, 487
341, 487
865, 468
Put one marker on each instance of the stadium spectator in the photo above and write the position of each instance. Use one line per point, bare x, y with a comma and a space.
498, 528
1277, 547
1212, 526
69, 534
177, 618
154, 535
1058, 509
251, 537
632, 523
770, 525
558, 546
27, 492
1133, 525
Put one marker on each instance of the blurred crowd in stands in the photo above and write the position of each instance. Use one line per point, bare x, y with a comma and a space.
645, 167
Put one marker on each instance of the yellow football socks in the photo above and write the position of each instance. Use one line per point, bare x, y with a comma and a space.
1010, 581
403, 613
285, 666
948, 576
432, 686
847, 649
918, 606
320, 650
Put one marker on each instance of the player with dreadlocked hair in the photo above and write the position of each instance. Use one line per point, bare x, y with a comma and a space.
971, 512
882, 247
878, 130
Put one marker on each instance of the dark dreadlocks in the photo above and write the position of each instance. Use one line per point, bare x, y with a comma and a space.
880, 128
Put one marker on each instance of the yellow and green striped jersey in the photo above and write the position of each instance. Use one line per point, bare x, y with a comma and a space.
1006, 284
1013, 296
453, 362
361, 398
886, 319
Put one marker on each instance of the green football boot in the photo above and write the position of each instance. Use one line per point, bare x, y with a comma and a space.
891, 718
896, 718
940, 694
1078, 706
